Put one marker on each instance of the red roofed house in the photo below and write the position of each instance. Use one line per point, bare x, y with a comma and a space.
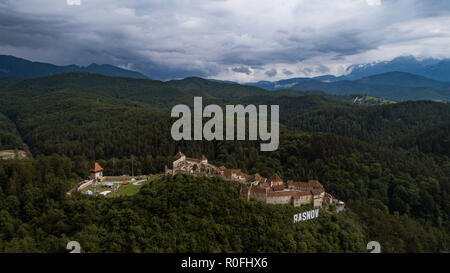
318, 195
204, 160
305, 197
296, 199
236, 175
221, 170
254, 187
258, 194
264, 185
300, 186
314, 184
255, 179
278, 188
184, 164
258, 177
178, 158
283, 197
96, 172
275, 180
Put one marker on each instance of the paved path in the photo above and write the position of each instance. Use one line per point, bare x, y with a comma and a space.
137, 183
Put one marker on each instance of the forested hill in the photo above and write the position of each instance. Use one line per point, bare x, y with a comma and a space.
399, 193
76, 98
186, 215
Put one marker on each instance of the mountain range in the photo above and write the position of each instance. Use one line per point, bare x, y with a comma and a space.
13, 67
404, 78
431, 68
398, 86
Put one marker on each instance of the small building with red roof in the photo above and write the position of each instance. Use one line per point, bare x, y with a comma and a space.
275, 180
96, 172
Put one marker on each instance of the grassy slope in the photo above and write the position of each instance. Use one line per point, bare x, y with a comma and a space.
132, 189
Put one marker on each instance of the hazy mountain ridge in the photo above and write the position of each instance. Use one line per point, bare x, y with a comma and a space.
13, 67
398, 86
392, 85
431, 68
403, 78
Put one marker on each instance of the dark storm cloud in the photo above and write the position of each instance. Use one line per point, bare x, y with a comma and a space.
17, 30
223, 39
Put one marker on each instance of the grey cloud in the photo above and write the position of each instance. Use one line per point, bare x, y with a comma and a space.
271, 73
322, 69
242, 69
174, 39
287, 72
317, 69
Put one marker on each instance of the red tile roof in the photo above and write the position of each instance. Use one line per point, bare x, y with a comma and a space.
229, 172
298, 184
315, 184
296, 195
275, 178
221, 169
97, 168
193, 159
317, 191
257, 177
304, 193
178, 155
278, 188
281, 193
258, 190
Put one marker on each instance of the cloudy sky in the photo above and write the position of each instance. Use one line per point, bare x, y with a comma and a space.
239, 40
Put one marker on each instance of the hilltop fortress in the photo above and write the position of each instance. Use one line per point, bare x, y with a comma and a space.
271, 190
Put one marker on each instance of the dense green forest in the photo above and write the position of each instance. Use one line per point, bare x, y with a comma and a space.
9, 139
376, 158
435, 140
